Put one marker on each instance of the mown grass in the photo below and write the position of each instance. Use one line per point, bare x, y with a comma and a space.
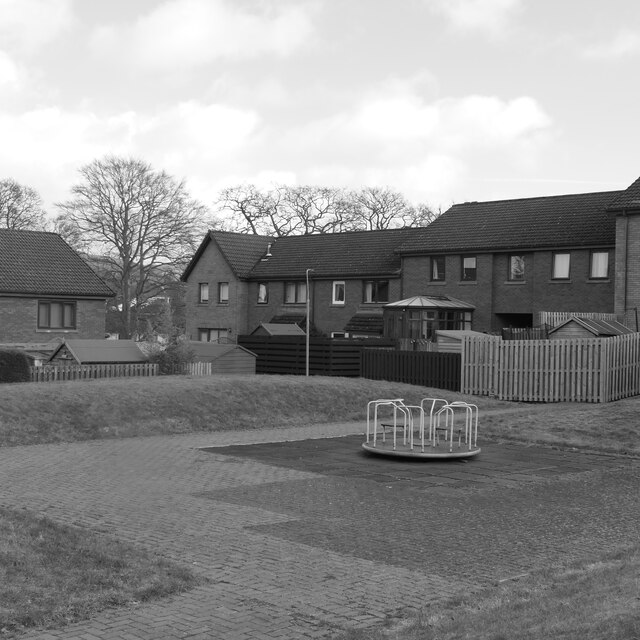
52, 575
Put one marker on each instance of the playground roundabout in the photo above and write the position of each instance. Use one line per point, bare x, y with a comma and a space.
433, 430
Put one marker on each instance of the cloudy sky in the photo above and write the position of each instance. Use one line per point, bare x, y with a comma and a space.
444, 100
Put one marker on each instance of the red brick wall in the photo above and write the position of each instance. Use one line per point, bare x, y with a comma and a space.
19, 321
627, 266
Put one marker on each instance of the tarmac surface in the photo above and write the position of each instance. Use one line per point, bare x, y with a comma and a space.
301, 533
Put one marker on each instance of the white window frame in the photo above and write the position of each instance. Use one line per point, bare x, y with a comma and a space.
516, 273
599, 266
561, 267
203, 292
263, 293
338, 292
223, 293
469, 260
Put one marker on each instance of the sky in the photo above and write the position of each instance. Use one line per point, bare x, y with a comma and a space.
443, 100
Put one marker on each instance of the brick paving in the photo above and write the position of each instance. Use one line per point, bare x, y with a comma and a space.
311, 535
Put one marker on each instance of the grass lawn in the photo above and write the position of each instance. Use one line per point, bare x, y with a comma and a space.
50, 575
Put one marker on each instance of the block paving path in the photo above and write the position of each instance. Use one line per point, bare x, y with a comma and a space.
301, 534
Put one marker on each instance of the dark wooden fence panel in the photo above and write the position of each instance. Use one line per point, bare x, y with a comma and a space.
424, 368
288, 354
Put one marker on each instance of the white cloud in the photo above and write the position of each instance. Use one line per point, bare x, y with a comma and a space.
9, 74
491, 16
192, 33
625, 42
27, 25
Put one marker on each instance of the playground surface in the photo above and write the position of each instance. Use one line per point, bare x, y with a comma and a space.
301, 533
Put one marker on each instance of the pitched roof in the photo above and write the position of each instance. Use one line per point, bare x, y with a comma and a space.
215, 350
280, 329
527, 223
429, 302
596, 327
628, 199
40, 263
241, 250
102, 351
355, 253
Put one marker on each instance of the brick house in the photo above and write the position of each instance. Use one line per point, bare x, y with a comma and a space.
235, 282
47, 291
502, 261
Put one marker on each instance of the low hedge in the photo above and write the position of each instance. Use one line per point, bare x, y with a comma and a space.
14, 366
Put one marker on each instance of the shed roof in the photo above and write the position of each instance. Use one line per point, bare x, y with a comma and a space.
430, 302
42, 263
600, 328
103, 351
282, 329
527, 223
215, 350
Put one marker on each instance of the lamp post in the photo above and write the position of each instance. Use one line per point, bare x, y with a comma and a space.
308, 322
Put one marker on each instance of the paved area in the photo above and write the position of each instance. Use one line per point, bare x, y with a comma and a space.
300, 533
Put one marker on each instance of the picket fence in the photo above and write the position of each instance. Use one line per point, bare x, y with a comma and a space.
91, 371
572, 370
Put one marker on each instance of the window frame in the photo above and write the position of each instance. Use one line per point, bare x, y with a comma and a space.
219, 332
554, 266
434, 270
337, 287
72, 305
472, 277
606, 264
221, 288
373, 286
510, 270
299, 288
263, 299
203, 288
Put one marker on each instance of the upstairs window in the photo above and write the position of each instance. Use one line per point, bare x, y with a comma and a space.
338, 296
295, 292
599, 265
223, 292
516, 267
56, 315
203, 292
376, 291
437, 268
468, 268
561, 264
263, 293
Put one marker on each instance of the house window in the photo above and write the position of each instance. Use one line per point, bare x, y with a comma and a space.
203, 292
212, 335
376, 291
295, 292
263, 293
338, 296
599, 264
561, 262
468, 268
223, 292
56, 315
516, 267
437, 268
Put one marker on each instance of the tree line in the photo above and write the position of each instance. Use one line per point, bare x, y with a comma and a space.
138, 226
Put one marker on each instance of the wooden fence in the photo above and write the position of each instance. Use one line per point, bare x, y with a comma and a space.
575, 370
327, 356
424, 368
90, 371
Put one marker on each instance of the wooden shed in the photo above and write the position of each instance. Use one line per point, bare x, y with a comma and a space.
225, 358
97, 352
577, 327
278, 329
451, 341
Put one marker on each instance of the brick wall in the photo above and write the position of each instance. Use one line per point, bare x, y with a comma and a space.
19, 321
627, 266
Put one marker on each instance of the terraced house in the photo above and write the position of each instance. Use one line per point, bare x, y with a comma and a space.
481, 266
47, 291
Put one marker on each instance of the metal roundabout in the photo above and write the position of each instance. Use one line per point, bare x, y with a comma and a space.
433, 430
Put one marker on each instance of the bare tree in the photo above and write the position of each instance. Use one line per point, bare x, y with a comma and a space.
141, 222
246, 209
20, 207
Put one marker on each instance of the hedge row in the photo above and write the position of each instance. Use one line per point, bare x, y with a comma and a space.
14, 366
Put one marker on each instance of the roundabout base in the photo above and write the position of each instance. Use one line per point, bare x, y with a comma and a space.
429, 453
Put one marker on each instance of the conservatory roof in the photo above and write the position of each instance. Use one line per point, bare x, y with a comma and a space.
430, 302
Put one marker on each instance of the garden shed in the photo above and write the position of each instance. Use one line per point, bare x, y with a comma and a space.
97, 352
225, 358
278, 329
577, 327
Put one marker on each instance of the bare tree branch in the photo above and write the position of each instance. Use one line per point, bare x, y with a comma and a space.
20, 207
